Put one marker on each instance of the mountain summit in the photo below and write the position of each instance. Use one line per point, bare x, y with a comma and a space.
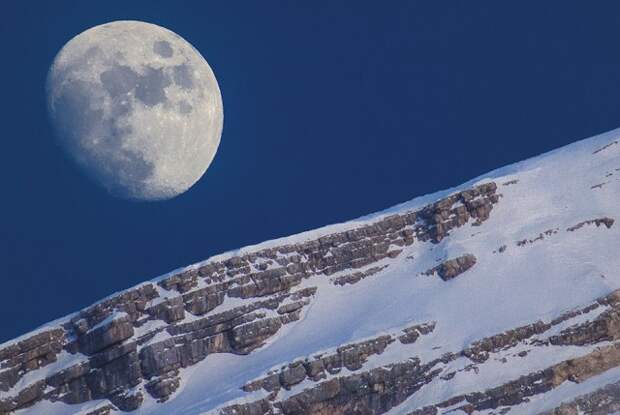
500, 296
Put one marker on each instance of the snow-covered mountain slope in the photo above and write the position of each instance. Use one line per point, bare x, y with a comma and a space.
498, 296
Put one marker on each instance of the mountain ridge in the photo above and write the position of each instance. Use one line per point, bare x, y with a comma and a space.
257, 316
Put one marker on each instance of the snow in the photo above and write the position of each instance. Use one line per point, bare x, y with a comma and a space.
59, 408
523, 284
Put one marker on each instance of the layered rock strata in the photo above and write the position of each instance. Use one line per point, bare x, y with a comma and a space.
376, 390
148, 334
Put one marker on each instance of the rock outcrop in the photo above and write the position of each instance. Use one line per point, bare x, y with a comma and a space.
454, 267
608, 222
606, 400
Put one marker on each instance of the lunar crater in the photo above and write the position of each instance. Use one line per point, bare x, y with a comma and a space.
137, 119
163, 49
184, 107
183, 76
151, 86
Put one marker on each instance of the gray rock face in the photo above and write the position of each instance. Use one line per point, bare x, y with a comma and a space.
411, 334
608, 222
351, 357
603, 401
28, 355
105, 336
453, 267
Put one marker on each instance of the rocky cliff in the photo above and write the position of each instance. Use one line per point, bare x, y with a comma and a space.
499, 296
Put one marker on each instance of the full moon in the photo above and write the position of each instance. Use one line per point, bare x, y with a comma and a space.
137, 107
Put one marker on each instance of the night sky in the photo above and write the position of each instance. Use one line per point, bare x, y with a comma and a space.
333, 110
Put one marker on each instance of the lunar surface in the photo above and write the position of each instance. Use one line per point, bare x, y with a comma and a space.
137, 107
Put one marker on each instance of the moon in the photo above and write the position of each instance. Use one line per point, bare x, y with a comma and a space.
137, 108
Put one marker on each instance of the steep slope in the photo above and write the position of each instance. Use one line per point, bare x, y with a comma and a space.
499, 296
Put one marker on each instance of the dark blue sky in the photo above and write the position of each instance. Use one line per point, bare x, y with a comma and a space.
333, 109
